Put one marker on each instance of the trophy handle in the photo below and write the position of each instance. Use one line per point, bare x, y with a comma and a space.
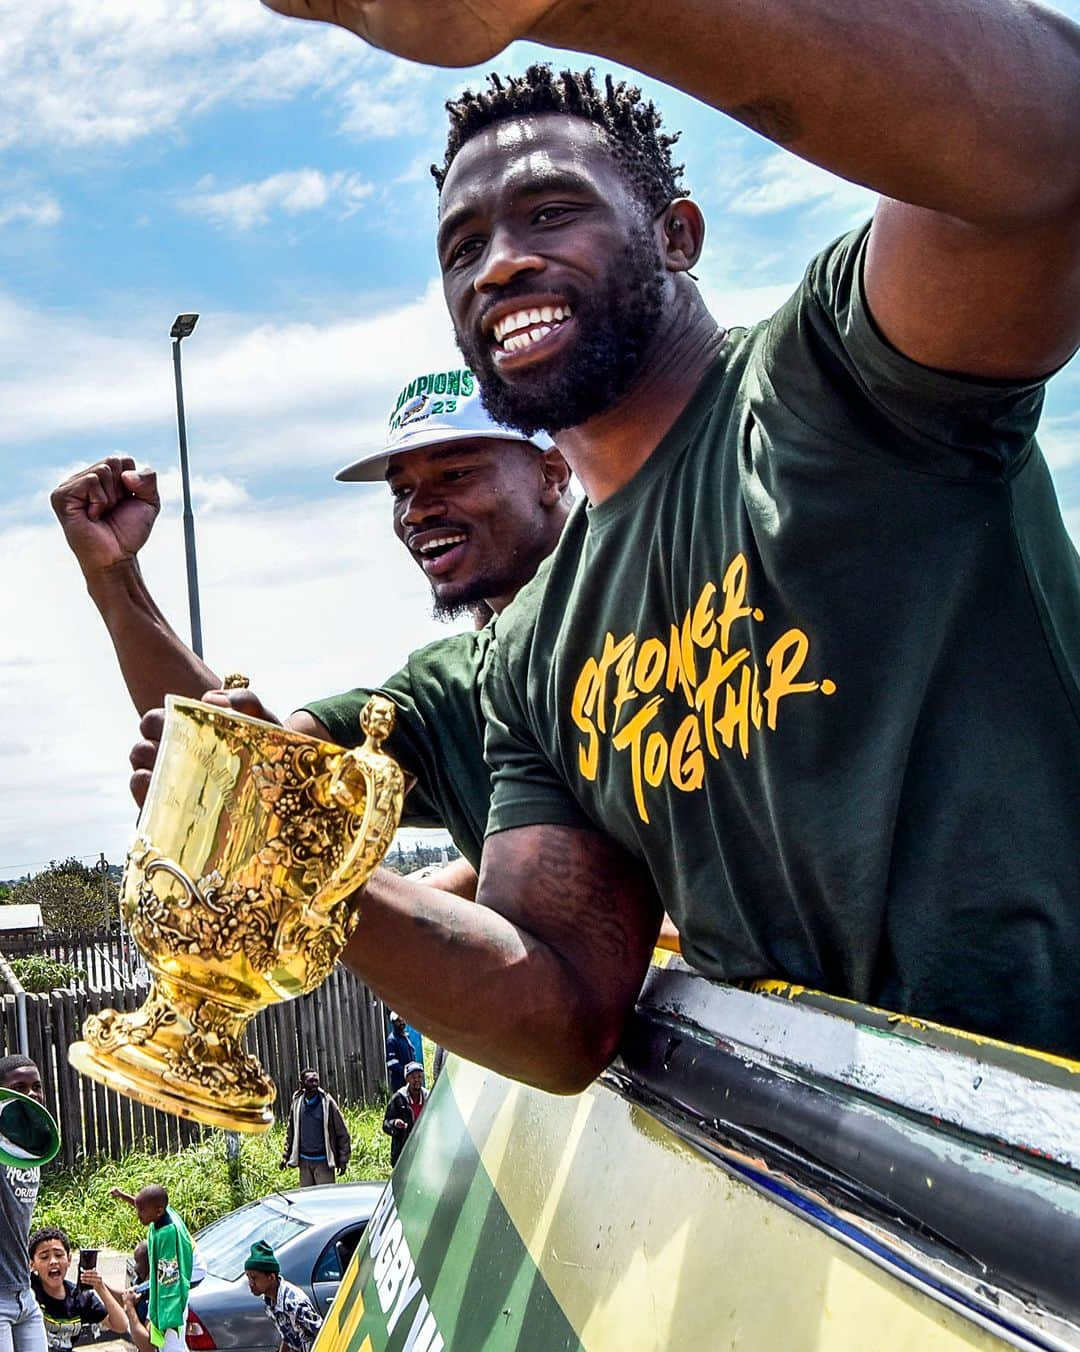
370, 783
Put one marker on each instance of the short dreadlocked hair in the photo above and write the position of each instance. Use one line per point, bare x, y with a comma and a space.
632, 124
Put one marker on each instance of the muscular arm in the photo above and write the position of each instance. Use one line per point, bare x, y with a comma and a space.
537, 978
458, 877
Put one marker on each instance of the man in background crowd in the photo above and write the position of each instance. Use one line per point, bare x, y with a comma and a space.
399, 1052
317, 1141
403, 1110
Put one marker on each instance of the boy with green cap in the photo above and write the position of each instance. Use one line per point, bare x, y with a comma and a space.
296, 1318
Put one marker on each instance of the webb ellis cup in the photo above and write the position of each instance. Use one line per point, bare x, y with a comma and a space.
240, 892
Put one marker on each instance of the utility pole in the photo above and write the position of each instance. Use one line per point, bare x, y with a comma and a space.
102, 870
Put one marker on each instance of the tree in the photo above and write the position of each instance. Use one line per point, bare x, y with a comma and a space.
72, 897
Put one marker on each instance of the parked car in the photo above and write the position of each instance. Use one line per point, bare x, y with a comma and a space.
313, 1232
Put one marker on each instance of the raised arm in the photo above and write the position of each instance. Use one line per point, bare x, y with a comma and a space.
966, 112
107, 512
963, 116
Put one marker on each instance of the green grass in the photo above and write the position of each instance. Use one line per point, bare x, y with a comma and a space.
78, 1199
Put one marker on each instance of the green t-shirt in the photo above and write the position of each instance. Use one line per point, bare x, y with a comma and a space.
171, 1256
438, 737
817, 666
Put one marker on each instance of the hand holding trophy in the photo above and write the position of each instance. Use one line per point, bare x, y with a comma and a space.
240, 892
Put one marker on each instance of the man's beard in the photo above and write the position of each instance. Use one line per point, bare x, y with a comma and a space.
615, 326
456, 606
472, 600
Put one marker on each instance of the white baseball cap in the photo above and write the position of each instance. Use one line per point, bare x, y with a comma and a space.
438, 407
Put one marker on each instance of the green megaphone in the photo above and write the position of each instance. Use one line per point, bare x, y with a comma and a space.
29, 1135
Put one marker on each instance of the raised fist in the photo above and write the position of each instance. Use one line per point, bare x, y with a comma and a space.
107, 512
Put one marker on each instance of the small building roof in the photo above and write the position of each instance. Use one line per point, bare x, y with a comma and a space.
20, 917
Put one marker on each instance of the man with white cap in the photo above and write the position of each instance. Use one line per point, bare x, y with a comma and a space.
405, 1106
440, 434
478, 507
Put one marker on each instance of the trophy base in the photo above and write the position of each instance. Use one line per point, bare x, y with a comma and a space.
182, 1053
117, 1074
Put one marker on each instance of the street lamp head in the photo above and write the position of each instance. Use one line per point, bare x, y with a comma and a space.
183, 325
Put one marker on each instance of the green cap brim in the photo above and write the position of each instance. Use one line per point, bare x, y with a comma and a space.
29, 1136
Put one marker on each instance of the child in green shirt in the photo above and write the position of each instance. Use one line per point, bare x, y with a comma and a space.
171, 1257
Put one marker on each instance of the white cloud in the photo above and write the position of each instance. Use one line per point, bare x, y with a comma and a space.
735, 306
781, 181
400, 98
40, 209
292, 192
76, 74
254, 391
308, 598
1059, 438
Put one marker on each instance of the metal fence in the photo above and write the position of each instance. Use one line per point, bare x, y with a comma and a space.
338, 1029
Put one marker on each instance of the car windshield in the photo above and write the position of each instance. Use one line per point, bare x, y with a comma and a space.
225, 1246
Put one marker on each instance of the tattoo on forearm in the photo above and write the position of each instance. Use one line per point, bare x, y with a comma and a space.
573, 888
774, 118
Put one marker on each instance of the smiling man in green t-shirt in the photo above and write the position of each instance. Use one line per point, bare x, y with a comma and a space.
806, 663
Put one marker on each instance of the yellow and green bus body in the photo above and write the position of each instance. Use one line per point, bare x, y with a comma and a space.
771, 1170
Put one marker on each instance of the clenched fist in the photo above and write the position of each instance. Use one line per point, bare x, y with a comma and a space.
436, 32
107, 512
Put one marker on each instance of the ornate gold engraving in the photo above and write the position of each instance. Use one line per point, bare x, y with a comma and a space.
240, 890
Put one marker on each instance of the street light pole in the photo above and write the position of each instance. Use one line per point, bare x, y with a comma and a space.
182, 328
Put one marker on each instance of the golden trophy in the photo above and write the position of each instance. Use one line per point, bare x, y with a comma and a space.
239, 891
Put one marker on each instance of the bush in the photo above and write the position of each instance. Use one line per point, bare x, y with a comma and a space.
197, 1179
41, 973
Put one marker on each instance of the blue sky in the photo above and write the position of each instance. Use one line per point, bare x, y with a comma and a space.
169, 155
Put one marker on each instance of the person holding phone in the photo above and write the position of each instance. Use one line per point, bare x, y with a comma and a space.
73, 1312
